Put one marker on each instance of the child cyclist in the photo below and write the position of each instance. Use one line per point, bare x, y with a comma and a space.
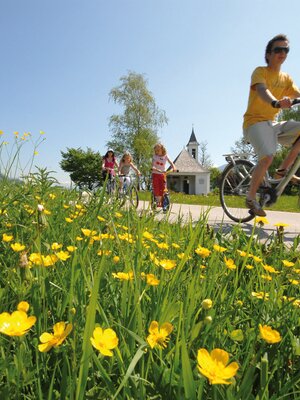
159, 182
124, 168
109, 163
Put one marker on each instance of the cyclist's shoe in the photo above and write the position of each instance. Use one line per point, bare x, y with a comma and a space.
280, 173
255, 208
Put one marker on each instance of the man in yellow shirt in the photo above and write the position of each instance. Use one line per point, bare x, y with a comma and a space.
270, 90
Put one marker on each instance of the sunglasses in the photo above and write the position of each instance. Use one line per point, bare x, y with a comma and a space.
279, 49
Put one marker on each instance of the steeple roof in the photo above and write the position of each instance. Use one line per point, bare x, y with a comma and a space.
185, 163
192, 138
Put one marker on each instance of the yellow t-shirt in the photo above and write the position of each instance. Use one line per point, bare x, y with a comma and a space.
279, 83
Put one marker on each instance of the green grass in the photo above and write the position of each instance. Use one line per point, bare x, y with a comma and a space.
82, 290
284, 203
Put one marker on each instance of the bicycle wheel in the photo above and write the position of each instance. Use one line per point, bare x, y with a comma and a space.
166, 202
234, 186
134, 196
129, 197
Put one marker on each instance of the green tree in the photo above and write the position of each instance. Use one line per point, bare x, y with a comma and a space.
215, 175
290, 113
244, 148
135, 129
84, 166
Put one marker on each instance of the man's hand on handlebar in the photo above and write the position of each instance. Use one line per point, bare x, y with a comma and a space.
285, 102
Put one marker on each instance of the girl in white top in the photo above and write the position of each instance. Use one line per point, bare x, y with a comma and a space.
124, 168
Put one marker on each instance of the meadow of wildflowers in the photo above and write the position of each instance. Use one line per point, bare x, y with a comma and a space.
103, 303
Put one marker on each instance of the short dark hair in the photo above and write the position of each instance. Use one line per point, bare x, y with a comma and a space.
276, 38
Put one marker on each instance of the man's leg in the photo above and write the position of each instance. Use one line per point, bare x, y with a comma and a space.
258, 175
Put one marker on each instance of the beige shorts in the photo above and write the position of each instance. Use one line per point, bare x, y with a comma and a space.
265, 136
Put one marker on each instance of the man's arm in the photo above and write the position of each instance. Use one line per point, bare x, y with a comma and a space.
265, 94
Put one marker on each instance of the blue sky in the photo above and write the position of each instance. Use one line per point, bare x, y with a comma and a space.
61, 58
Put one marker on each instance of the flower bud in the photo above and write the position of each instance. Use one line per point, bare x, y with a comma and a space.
207, 304
207, 320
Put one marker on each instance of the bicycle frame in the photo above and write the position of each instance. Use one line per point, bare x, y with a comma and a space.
286, 179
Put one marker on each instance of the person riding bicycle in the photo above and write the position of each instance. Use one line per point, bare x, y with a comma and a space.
124, 168
270, 90
159, 182
109, 163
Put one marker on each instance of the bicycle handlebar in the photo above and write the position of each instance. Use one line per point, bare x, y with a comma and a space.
276, 103
164, 172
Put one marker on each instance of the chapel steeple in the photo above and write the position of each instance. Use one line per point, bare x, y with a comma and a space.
192, 146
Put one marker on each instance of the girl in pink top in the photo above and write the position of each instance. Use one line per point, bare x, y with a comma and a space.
109, 163
159, 160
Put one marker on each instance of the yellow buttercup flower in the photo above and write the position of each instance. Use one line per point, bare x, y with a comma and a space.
88, 232
287, 263
127, 237
261, 295
101, 219
270, 269
154, 259
148, 235
7, 238
218, 248
266, 277
56, 246
45, 261
71, 248
261, 220
214, 366
23, 306
230, 263
268, 334
256, 258
18, 323
49, 340
17, 247
167, 264
281, 225
150, 279
104, 252
104, 340
202, 251
243, 253
162, 245
159, 336
63, 255
116, 259
123, 276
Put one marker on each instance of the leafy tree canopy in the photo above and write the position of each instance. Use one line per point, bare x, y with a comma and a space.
135, 128
84, 166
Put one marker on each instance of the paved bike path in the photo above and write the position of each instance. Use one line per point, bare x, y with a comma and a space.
219, 220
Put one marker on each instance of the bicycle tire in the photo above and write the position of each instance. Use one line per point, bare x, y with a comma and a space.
129, 197
234, 186
166, 202
134, 196
153, 204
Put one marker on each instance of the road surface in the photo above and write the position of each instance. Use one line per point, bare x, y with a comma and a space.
218, 220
